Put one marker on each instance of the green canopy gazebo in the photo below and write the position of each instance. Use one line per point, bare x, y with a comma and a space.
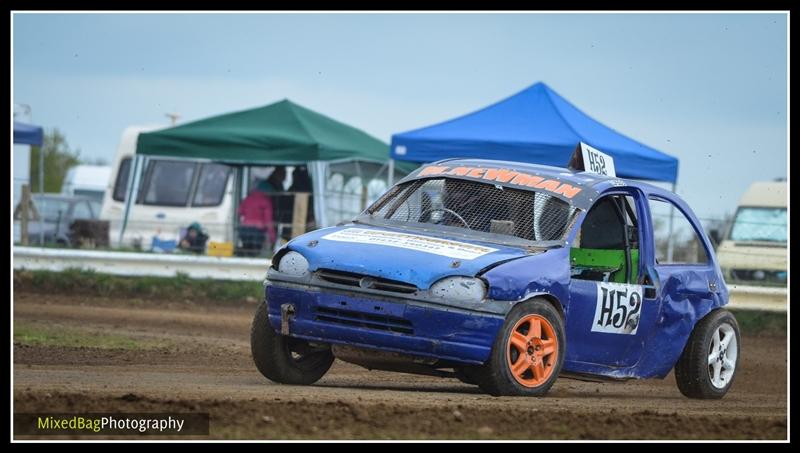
347, 166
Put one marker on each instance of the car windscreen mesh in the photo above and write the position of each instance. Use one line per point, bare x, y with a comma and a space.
476, 206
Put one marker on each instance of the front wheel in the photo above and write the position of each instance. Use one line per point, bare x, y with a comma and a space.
284, 359
528, 354
708, 363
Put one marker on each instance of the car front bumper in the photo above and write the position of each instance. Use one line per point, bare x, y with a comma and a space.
363, 320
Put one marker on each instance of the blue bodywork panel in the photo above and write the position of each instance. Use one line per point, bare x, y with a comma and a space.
413, 328
418, 324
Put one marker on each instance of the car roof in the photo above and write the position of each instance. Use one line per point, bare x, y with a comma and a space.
590, 184
566, 174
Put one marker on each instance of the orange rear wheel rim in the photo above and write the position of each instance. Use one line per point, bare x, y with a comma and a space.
532, 350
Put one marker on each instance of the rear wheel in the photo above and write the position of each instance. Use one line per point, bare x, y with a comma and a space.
707, 366
528, 354
284, 359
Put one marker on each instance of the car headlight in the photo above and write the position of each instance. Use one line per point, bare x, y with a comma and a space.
464, 289
293, 263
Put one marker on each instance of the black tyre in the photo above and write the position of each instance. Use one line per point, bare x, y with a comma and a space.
707, 366
284, 359
528, 353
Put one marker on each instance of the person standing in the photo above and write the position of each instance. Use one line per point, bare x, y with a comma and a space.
256, 213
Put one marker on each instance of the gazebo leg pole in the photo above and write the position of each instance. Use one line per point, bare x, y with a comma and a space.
129, 197
41, 190
237, 196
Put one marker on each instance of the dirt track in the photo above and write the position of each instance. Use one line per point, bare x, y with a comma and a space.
202, 363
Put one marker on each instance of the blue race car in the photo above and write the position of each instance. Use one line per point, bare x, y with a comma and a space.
504, 275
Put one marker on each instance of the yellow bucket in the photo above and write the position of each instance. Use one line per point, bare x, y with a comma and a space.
220, 249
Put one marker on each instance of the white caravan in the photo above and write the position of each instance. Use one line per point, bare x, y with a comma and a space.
172, 194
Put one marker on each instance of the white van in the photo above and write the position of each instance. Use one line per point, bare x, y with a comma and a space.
173, 193
88, 181
754, 248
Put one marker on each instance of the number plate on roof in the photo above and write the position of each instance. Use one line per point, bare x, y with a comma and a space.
596, 161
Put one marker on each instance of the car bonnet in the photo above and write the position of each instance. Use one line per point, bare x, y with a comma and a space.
405, 256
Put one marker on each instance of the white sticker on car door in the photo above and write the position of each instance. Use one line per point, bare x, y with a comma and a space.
618, 309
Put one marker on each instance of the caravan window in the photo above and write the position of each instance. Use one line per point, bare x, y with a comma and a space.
121, 185
211, 185
169, 182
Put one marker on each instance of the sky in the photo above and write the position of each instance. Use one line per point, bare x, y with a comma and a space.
709, 89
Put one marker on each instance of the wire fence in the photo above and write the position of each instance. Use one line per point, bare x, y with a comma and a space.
167, 233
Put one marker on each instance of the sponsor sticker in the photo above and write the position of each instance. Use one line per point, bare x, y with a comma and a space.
618, 308
504, 176
436, 246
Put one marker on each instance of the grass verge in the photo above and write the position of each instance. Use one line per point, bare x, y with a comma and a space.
39, 335
91, 283
761, 323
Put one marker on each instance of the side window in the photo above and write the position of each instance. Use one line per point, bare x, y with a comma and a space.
169, 182
607, 246
211, 185
82, 210
121, 184
687, 248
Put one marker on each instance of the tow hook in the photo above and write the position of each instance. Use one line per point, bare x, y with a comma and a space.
287, 310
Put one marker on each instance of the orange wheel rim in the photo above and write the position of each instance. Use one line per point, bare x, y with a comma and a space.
532, 350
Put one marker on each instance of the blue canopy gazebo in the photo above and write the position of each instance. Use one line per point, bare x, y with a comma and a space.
536, 125
27, 134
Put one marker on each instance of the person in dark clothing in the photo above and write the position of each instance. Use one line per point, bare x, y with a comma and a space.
282, 202
195, 239
301, 183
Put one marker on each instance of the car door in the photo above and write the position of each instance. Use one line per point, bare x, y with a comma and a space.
609, 317
688, 277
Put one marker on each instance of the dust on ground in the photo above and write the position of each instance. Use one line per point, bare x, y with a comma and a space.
196, 358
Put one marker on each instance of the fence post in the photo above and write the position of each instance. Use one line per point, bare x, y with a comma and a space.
364, 190
23, 221
23, 212
299, 213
